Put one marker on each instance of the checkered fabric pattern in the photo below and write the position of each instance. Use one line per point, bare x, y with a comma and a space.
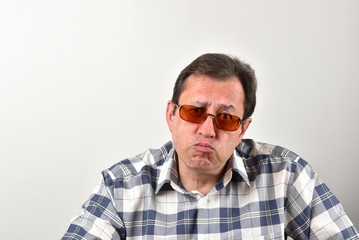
267, 192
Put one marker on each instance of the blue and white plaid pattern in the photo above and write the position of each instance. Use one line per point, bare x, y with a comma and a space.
267, 192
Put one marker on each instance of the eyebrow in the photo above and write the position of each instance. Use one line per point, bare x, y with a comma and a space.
221, 106
227, 106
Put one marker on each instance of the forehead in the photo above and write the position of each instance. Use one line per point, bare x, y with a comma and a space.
204, 90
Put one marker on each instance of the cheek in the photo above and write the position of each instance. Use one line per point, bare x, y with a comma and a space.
231, 141
180, 133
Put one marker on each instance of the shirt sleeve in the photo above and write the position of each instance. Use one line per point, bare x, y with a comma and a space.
98, 218
312, 210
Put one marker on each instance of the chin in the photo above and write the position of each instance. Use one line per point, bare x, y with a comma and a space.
201, 163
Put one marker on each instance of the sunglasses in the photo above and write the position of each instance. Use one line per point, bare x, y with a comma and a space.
198, 115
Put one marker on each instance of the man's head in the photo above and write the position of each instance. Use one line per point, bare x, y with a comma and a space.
214, 88
221, 67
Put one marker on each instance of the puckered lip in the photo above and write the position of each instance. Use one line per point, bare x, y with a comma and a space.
204, 146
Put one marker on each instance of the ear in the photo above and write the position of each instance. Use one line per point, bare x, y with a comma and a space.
245, 127
169, 114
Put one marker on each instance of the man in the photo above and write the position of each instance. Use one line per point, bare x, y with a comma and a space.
208, 182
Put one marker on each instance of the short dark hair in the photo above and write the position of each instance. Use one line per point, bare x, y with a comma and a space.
221, 67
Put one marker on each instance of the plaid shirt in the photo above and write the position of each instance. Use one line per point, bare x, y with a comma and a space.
267, 192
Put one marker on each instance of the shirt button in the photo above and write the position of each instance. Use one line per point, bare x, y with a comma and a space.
203, 202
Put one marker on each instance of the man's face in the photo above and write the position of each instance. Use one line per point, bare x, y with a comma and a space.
203, 147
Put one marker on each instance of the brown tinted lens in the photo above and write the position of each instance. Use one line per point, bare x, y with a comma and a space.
192, 114
197, 115
227, 122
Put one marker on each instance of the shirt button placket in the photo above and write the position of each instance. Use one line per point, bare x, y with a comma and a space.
203, 213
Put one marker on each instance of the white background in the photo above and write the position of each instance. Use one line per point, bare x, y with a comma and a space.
84, 84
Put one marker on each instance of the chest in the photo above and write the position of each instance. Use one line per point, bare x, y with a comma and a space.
235, 212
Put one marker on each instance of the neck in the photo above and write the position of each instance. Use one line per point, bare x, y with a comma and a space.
202, 182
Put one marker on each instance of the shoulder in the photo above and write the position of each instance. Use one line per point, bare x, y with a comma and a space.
265, 158
268, 161
248, 148
146, 162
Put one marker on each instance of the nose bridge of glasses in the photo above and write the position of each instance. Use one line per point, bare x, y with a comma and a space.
213, 118
209, 114
208, 128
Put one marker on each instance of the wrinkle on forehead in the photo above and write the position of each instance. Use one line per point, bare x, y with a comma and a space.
203, 91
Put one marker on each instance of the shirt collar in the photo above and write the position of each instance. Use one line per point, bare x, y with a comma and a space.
168, 171
238, 166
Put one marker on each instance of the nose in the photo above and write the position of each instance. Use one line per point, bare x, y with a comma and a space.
207, 128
